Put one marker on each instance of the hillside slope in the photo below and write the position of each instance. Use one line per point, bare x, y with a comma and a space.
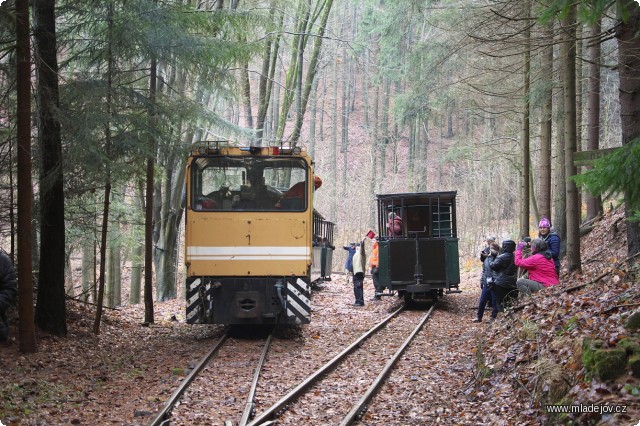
536, 355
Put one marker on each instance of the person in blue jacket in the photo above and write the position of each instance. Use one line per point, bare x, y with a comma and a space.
552, 239
348, 265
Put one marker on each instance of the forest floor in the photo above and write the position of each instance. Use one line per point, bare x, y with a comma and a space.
455, 372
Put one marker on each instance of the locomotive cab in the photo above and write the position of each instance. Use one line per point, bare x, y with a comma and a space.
418, 244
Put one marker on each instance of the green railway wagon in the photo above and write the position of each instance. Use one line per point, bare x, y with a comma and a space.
419, 259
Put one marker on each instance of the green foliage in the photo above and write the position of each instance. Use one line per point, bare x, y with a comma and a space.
589, 11
615, 173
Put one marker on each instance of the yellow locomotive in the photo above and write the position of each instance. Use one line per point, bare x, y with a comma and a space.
253, 242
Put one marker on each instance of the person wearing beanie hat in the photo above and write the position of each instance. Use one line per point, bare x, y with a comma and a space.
552, 239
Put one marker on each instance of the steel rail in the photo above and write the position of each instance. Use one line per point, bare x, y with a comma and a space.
298, 390
248, 409
358, 408
161, 417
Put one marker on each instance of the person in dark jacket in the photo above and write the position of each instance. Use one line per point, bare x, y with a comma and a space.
552, 239
8, 292
487, 294
504, 277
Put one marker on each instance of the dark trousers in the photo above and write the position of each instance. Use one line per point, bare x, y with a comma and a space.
4, 327
502, 297
486, 297
375, 275
358, 290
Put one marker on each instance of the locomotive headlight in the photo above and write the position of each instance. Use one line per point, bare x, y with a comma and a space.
297, 150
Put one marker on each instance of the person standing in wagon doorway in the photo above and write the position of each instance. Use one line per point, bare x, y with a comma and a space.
394, 225
552, 239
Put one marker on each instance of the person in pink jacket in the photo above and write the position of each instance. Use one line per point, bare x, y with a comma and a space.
540, 267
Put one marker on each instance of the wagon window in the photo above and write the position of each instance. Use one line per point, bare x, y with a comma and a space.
418, 220
443, 220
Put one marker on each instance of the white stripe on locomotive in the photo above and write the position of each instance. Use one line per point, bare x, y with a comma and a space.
248, 253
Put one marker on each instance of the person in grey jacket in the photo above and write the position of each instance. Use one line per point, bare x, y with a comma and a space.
8, 292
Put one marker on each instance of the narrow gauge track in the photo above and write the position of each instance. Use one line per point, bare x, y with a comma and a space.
299, 402
176, 411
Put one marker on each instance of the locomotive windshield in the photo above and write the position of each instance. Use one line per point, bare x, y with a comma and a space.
249, 183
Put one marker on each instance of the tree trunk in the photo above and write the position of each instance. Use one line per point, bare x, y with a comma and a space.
149, 205
544, 198
313, 118
137, 261
525, 150
107, 185
50, 314
629, 70
559, 208
594, 202
312, 69
88, 270
26, 328
269, 61
570, 140
384, 126
246, 95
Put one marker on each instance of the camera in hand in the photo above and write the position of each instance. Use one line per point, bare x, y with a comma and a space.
527, 240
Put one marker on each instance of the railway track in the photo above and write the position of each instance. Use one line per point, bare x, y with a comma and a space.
396, 333
177, 411
293, 407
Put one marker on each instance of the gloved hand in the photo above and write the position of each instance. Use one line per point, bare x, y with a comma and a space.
520, 246
494, 253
